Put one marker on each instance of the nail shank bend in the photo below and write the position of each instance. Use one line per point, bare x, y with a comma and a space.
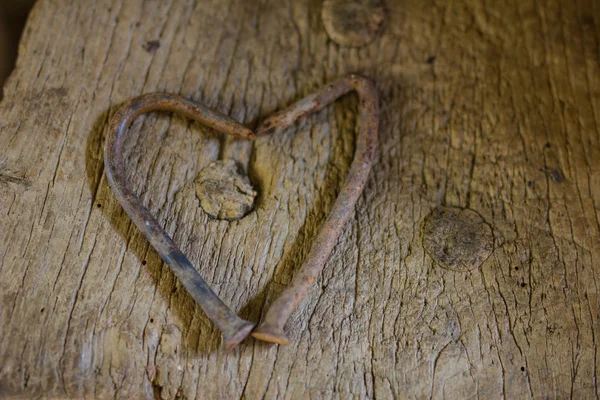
234, 328
272, 327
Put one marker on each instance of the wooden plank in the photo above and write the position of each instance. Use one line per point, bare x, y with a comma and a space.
485, 106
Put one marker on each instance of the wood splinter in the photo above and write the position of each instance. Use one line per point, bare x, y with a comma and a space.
234, 328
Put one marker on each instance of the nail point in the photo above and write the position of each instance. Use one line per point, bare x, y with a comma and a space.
232, 340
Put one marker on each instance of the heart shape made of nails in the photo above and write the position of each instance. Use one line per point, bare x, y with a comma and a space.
234, 328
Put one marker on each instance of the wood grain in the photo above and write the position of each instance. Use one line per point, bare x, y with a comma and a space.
485, 105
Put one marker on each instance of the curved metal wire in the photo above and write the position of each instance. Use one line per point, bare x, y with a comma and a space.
272, 327
234, 328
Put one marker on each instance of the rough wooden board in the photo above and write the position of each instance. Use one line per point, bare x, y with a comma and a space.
487, 106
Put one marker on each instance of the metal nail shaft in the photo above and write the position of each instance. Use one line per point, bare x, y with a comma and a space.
272, 327
234, 328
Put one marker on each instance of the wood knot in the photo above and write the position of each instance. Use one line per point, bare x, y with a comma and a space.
457, 239
352, 23
224, 190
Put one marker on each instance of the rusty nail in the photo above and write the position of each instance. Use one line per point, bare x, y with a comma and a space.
272, 327
234, 328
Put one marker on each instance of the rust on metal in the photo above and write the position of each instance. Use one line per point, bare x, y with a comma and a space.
272, 327
234, 328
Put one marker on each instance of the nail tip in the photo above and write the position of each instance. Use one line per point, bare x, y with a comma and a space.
241, 333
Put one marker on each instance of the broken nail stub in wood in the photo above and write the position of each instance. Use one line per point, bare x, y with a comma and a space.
234, 328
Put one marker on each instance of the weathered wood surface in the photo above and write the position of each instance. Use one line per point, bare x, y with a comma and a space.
490, 106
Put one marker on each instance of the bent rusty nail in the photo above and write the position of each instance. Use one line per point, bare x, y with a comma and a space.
272, 327
234, 328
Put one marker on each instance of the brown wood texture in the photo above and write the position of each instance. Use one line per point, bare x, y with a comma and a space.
485, 105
